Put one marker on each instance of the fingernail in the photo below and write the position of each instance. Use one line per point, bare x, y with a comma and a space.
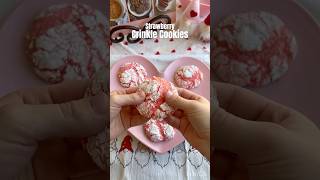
140, 93
99, 104
169, 94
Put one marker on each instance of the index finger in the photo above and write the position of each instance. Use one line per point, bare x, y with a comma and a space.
245, 103
187, 94
124, 91
52, 94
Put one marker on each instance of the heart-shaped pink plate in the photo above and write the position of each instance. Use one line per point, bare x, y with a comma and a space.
159, 147
204, 88
114, 81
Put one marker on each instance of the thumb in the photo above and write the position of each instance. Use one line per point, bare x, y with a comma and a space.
79, 118
173, 121
127, 99
177, 101
237, 135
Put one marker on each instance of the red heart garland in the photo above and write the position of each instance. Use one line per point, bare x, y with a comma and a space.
193, 13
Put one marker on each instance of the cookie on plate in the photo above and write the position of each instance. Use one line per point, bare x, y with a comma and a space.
67, 41
157, 130
252, 49
188, 77
154, 105
131, 74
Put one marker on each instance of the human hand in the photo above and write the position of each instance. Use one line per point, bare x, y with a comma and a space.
49, 112
194, 121
123, 113
256, 138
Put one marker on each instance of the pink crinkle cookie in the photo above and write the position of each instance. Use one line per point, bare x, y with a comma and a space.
97, 145
131, 74
158, 130
252, 49
154, 105
188, 77
67, 41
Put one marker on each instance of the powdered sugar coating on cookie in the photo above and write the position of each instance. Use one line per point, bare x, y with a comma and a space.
97, 148
188, 77
131, 74
158, 130
252, 49
68, 42
154, 105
